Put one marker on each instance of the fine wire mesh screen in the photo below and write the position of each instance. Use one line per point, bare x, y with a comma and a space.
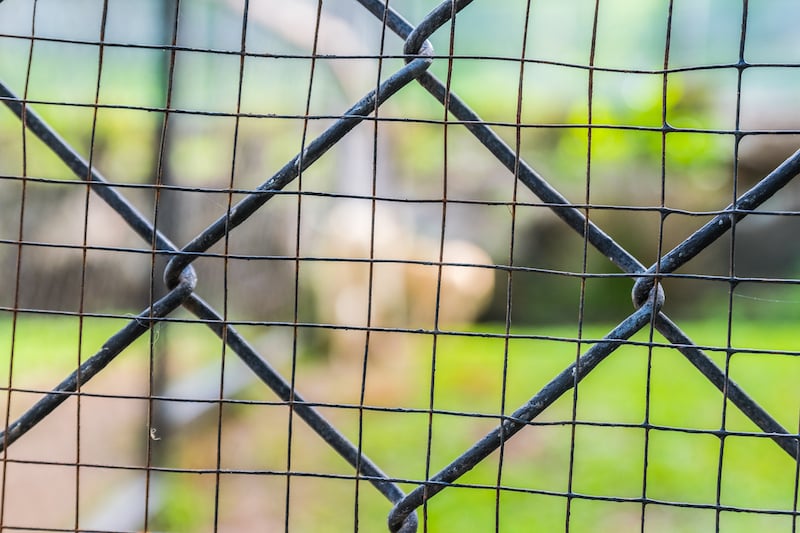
365, 266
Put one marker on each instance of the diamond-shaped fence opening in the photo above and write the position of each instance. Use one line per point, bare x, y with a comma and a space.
360, 265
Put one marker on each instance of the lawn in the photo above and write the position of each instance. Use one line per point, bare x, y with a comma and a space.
601, 460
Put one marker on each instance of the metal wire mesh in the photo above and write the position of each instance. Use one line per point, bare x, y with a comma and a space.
357, 246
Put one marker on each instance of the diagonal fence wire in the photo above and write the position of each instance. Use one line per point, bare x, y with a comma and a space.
682, 253
181, 279
184, 282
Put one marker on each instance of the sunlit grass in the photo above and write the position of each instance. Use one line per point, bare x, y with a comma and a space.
606, 457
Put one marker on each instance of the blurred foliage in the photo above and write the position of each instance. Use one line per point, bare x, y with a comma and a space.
623, 161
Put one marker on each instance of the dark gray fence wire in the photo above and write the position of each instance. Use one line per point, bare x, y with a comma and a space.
182, 281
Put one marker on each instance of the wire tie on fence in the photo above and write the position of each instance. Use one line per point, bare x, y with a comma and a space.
643, 291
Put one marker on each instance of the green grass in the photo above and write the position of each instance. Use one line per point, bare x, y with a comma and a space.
607, 461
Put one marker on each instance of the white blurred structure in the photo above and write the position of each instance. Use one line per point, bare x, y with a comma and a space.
379, 272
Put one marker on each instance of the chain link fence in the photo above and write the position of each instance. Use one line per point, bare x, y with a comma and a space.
406, 285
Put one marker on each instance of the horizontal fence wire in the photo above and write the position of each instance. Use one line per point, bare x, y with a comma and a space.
361, 249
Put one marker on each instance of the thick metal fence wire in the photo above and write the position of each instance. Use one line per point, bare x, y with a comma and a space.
415, 64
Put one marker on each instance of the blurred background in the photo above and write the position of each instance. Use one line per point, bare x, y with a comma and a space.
626, 167
233, 124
